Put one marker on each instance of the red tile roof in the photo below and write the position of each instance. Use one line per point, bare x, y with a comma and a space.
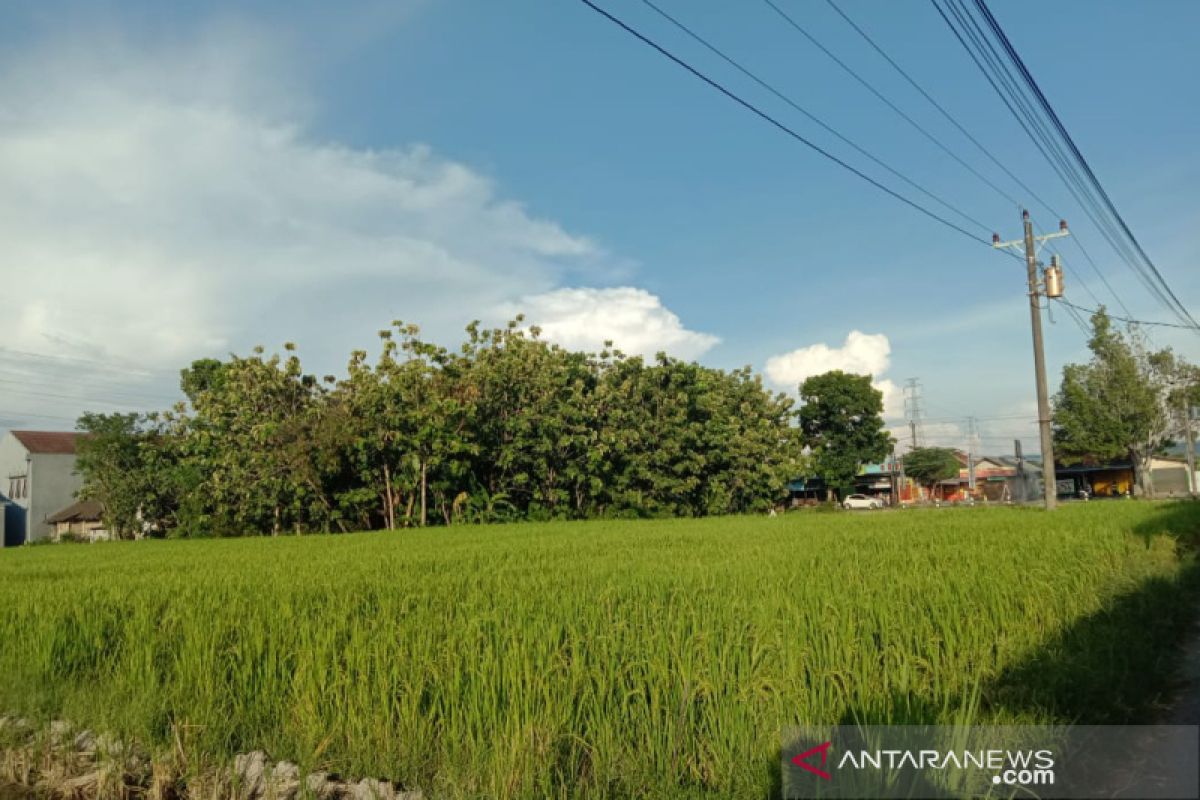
49, 442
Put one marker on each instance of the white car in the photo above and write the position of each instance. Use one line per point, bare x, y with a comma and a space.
860, 501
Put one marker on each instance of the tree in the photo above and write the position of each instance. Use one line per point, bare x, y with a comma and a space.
841, 421
1124, 403
127, 466
249, 419
507, 427
929, 466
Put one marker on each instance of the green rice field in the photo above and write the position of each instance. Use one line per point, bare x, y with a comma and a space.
600, 659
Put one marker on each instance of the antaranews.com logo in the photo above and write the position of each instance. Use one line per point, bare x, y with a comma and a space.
945, 761
1011, 768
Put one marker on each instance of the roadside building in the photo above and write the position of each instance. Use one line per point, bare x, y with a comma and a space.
806, 491
880, 480
1097, 478
1170, 476
38, 470
996, 479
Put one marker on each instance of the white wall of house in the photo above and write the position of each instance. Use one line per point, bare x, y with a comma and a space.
52, 487
51, 484
13, 464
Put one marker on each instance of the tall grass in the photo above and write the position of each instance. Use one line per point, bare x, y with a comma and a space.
599, 658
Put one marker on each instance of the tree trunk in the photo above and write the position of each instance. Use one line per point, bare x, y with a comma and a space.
1142, 474
424, 495
391, 500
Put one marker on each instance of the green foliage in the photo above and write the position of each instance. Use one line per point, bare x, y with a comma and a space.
652, 659
1126, 403
929, 465
841, 420
509, 427
127, 465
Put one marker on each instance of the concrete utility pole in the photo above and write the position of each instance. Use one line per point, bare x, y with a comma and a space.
1030, 243
1019, 457
971, 453
1190, 411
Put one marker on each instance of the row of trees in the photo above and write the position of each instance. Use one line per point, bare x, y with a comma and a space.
507, 427
1128, 402
512, 427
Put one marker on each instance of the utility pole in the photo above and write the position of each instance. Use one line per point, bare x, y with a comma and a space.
1190, 411
1053, 289
971, 453
1019, 457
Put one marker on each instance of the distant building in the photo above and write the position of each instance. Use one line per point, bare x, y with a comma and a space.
1097, 478
1116, 478
83, 520
38, 470
1170, 476
1002, 479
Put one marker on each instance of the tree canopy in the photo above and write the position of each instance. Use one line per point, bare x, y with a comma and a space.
841, 422
506, 427
1127, 402
930, 465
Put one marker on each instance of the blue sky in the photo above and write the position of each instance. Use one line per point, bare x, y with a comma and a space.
191, 179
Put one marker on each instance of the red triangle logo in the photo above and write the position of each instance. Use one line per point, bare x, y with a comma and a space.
801, 760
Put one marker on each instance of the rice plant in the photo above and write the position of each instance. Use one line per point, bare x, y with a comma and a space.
598, 659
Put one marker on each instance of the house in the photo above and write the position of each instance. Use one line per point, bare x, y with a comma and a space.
37, 468
82, 520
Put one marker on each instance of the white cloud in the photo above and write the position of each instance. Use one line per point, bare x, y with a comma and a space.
861, 354
633, 319
162, 205
893, 397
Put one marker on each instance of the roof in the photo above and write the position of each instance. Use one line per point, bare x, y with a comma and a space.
82, 511
1080, 469
48, 442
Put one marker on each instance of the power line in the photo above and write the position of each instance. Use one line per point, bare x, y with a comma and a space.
10, 416
1010, 94
781, 126
955, 122
1128, 320
950, 117
740, 68
1014, 98
1025, 120
938, 142
99, 365
1052, 150
80, 399
1049, 109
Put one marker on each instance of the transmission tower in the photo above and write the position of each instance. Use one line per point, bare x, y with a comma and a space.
913, 412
